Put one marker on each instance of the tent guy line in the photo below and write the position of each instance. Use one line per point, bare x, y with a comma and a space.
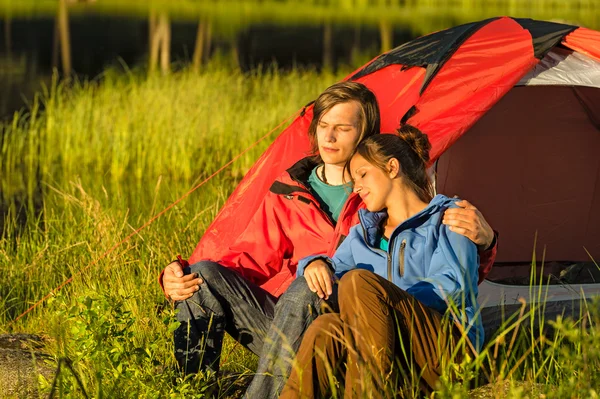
155, 217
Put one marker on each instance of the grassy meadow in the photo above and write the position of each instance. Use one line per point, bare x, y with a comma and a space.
91, 161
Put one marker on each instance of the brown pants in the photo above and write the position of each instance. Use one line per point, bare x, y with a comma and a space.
383, 343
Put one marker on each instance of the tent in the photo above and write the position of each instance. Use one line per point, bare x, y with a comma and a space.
512, 109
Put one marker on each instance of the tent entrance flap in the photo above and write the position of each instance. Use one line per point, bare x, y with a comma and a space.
531, 166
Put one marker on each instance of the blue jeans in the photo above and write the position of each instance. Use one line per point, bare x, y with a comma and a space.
269, 327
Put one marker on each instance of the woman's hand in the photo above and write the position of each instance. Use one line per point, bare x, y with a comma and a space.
177, 286
469, 222
319, 277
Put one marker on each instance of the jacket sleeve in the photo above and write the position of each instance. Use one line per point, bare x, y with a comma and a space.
487, 258
260, 251
341, 262
453, 272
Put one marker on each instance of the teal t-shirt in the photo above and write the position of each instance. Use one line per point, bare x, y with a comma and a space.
331, 198
383, 243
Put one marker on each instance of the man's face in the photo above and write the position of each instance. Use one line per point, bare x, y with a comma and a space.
337, 133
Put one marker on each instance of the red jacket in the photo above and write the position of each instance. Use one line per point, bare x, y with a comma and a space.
290, 225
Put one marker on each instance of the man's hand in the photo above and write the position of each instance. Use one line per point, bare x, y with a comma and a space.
177, 286
469, 222
319, 277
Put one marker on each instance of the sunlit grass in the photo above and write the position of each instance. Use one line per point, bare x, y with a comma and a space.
102, 158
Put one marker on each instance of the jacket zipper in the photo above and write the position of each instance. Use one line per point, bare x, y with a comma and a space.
389, 255
402, 247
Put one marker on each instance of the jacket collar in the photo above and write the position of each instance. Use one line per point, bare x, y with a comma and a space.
302, 169
371, 221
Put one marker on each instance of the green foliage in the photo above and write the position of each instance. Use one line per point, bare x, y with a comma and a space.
575, 352
109, 357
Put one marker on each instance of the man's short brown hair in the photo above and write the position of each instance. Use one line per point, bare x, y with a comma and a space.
343, 92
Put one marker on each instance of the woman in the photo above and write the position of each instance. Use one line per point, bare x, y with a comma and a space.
400, 268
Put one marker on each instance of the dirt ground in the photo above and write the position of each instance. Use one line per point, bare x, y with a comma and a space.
21, 360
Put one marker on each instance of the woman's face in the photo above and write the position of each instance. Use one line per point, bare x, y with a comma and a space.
337, 133
370, 182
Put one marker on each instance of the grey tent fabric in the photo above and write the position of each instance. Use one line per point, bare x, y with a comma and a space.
564, 67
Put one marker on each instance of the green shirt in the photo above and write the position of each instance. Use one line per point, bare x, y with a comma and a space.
383, 243
331, 198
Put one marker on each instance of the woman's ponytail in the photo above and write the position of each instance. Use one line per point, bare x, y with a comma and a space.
417, 140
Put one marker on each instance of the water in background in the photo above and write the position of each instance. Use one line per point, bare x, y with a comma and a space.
82, 38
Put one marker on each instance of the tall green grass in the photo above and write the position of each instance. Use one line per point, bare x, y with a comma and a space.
93, 160
104, 156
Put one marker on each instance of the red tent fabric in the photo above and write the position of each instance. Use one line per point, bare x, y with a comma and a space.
442, 83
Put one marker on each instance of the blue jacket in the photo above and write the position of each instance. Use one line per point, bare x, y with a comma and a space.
424, 258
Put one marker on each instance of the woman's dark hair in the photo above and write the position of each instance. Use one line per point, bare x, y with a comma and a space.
410, 147
343, 92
